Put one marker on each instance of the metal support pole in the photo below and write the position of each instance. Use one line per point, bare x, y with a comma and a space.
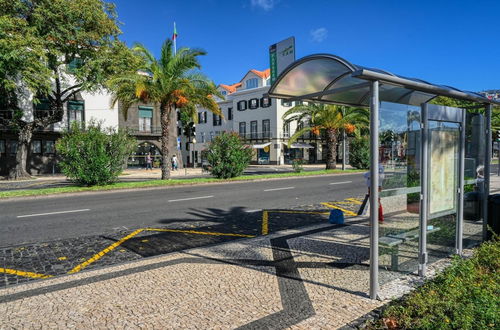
461, 179
424, 184
487, 161
343, 142
498, 155
374, 178
343, 150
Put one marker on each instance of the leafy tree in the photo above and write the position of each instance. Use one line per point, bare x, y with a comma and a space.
170, 82
51, 50
359, 152
228, 156
93, 155
330, 119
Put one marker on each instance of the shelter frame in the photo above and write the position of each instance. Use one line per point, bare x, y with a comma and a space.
328, 78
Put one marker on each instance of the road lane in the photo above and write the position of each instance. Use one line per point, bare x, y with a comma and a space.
149, 207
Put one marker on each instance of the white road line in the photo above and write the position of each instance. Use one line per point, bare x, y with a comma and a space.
253, 211
189, 199
285, 188
341, 182
50, 213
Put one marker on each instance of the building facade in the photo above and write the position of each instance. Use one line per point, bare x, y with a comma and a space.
258, 120
42, 156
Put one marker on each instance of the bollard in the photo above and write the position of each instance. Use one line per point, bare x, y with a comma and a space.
336, 217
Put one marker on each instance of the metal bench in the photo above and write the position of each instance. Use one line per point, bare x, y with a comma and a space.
392, 241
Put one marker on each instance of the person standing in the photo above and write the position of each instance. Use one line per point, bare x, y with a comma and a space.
174, 163
149, 162
381, 176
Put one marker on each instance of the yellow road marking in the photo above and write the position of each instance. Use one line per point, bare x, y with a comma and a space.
354, 200
339, 208
198, 232
299, 212
265, 222
103, 252
21, 273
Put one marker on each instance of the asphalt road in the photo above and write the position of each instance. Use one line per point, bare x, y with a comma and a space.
49, 218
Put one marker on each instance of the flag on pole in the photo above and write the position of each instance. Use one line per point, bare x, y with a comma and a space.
174, 36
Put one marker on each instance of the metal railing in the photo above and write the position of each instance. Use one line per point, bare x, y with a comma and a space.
256, 135
153, 130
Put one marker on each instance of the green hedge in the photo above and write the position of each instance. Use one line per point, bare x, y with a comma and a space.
465, 296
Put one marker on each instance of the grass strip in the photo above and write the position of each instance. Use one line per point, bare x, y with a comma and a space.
160, 183
466, 295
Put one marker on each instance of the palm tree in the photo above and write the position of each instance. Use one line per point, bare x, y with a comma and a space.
171, 82
330, 119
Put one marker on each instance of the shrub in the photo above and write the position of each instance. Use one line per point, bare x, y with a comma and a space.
297, 165
93, 155
465, 296
228, 156
359, 153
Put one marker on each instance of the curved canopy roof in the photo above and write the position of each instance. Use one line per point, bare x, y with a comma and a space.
330, 79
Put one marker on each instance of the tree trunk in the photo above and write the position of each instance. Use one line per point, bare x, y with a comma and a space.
24, 139
331, 144
173, 135
165, 113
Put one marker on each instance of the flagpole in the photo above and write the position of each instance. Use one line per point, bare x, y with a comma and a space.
175, 40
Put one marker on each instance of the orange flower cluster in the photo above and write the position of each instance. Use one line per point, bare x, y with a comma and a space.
349, 128
315, 130
180, 99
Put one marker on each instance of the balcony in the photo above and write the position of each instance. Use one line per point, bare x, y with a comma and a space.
153, 130
256, 136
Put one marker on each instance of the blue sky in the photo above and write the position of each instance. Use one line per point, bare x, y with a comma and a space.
448, 42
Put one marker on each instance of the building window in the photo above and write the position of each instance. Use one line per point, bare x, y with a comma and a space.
75, 64
36, 147
266, 128
217, 133
243, 129
145, 119
13, 147
202, 136
223, 92
242, 105
285, 103
42, 109
75, 111
2, 147
217, 120
299, 102
48, 147
265, 102
252, 83
286, 130
253, 129
253, 103
229, 113
202, 117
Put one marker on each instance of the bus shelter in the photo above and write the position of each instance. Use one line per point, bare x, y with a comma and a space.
435, 158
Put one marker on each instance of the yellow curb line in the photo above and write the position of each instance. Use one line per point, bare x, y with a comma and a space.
198, 232
339, 208
103, 252
265, 222
354, 200
299, 212
25, 274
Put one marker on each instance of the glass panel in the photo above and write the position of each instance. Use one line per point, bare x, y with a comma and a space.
351, 96
474, 178
444, 142
310, 77
400, 188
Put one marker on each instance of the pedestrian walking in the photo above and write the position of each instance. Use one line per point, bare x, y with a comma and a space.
381, 176
174, 163
149, 162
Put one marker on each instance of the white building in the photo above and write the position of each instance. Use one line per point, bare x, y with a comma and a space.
258, 119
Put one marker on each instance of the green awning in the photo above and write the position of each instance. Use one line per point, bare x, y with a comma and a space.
145, 112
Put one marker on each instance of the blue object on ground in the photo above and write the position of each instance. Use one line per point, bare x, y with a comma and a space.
336, 217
